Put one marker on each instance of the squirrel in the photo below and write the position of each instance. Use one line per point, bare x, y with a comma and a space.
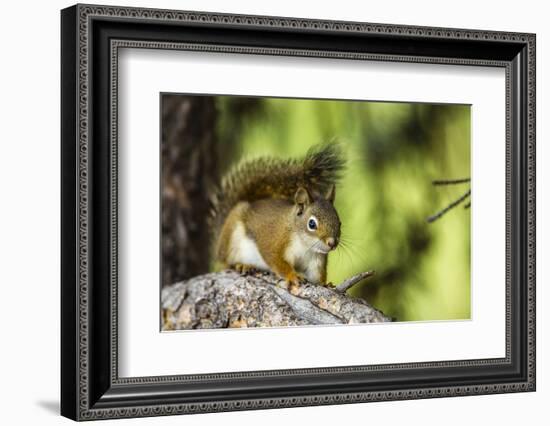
278, 215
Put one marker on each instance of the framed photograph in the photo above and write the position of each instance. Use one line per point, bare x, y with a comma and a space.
263, 212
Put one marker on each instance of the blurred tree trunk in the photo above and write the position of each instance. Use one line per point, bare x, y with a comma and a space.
189, 167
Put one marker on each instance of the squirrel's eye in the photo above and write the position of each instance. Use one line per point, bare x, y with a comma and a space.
312, 224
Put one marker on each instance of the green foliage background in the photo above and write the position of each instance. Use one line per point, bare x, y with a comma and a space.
394, 151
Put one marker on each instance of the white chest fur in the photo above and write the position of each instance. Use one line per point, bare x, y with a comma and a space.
308, 262
243, 249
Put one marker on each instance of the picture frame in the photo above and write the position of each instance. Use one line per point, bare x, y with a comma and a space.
90, 384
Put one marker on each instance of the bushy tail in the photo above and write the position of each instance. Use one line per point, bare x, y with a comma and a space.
265, 177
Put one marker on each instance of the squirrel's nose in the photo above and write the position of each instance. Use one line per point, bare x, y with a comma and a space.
331, 242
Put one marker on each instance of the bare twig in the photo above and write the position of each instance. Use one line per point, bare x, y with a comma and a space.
351, 281
450, 181
450, 206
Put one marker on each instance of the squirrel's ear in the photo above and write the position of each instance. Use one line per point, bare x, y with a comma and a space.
302, 198
331, 193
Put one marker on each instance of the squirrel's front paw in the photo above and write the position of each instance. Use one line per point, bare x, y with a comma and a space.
294, 282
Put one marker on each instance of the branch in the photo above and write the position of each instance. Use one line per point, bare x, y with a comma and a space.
450, 181
228, 299
449, 207
351, 281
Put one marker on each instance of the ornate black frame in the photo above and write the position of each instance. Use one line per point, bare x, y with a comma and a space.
91, 37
